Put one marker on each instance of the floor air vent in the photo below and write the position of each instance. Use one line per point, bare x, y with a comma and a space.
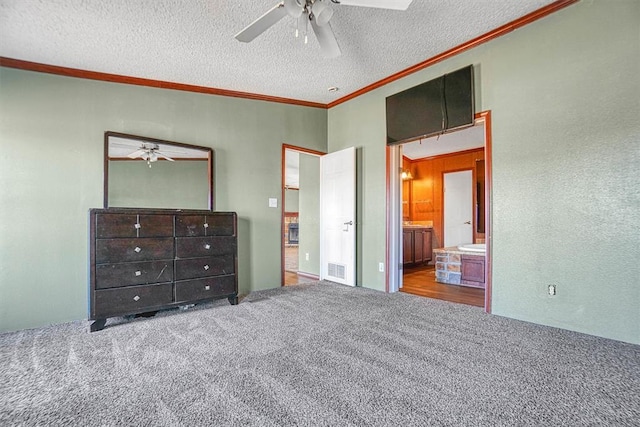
336, 270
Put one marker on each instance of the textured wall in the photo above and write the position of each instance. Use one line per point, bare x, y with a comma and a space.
51, 149
565, 100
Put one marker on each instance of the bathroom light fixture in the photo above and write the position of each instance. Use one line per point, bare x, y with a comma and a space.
406, 175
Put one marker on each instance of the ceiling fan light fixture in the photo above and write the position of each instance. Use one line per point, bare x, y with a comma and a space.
322, 13
294, 7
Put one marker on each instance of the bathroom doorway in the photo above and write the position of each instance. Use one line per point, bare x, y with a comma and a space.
416, 201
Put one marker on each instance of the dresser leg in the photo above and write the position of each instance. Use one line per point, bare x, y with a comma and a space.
233, 300
98, 325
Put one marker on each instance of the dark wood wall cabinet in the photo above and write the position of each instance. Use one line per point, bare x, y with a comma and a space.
145, 260
416, 245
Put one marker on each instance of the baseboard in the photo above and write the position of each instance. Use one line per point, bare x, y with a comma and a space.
308, 275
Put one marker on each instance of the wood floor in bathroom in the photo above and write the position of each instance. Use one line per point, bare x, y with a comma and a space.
422, 281
419, 281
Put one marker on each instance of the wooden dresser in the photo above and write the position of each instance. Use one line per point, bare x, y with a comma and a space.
144, 260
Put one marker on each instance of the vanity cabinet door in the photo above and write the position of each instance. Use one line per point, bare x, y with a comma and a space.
427, 249
418, 246
407, 247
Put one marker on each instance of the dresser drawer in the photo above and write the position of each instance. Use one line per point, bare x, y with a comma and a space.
189, 247
205, 225
134, 299
211, 287
125, 225
132, 250
133, 273
204, 267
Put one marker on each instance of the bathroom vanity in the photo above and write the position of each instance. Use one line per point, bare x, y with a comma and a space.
416, 244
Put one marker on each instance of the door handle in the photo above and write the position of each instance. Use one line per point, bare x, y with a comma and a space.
468, 222
346, 225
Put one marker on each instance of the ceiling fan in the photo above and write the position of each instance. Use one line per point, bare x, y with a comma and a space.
318, 13
149, 152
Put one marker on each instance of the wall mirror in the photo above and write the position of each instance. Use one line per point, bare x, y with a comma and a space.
142, 172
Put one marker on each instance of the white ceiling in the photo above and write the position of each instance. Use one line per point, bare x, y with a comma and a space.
192, 41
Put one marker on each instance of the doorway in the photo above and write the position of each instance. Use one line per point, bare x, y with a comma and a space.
300, 261
416, 199
324, 227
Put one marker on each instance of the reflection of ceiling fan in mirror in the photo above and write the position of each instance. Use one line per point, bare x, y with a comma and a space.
149, 152
316, 13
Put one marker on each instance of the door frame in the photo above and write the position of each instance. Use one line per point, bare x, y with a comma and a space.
394, 212
283, 167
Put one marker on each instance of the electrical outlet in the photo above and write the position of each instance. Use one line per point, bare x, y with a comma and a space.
306, 256
273, 202
552, 290
381, 267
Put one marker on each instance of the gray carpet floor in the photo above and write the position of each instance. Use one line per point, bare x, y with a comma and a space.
318, 355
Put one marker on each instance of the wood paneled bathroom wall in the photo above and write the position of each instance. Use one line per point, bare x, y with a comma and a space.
422, 195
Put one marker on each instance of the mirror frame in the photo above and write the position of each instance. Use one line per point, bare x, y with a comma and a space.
108, 134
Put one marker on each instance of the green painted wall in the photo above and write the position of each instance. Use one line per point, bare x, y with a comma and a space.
309, 216
565, 100
51, 161
564, 94
177, 184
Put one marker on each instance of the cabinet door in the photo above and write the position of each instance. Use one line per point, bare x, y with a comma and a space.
427, 249
407, 246
418, 245
473, 269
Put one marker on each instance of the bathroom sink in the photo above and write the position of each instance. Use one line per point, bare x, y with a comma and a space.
473, 247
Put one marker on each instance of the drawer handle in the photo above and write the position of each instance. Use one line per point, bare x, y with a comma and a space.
137, 249
138, 273
207, 246
206, 288
136, 298
206, 267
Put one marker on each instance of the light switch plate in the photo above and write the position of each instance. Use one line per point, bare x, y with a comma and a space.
273, 202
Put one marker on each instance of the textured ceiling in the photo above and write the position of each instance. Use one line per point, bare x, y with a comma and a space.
192, 41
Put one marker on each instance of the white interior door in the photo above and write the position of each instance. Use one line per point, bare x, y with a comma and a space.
338, 217
458, 208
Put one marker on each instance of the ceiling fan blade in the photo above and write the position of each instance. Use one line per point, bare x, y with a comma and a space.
159, 154
262, 24
326, 39
136, 154
382, 4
